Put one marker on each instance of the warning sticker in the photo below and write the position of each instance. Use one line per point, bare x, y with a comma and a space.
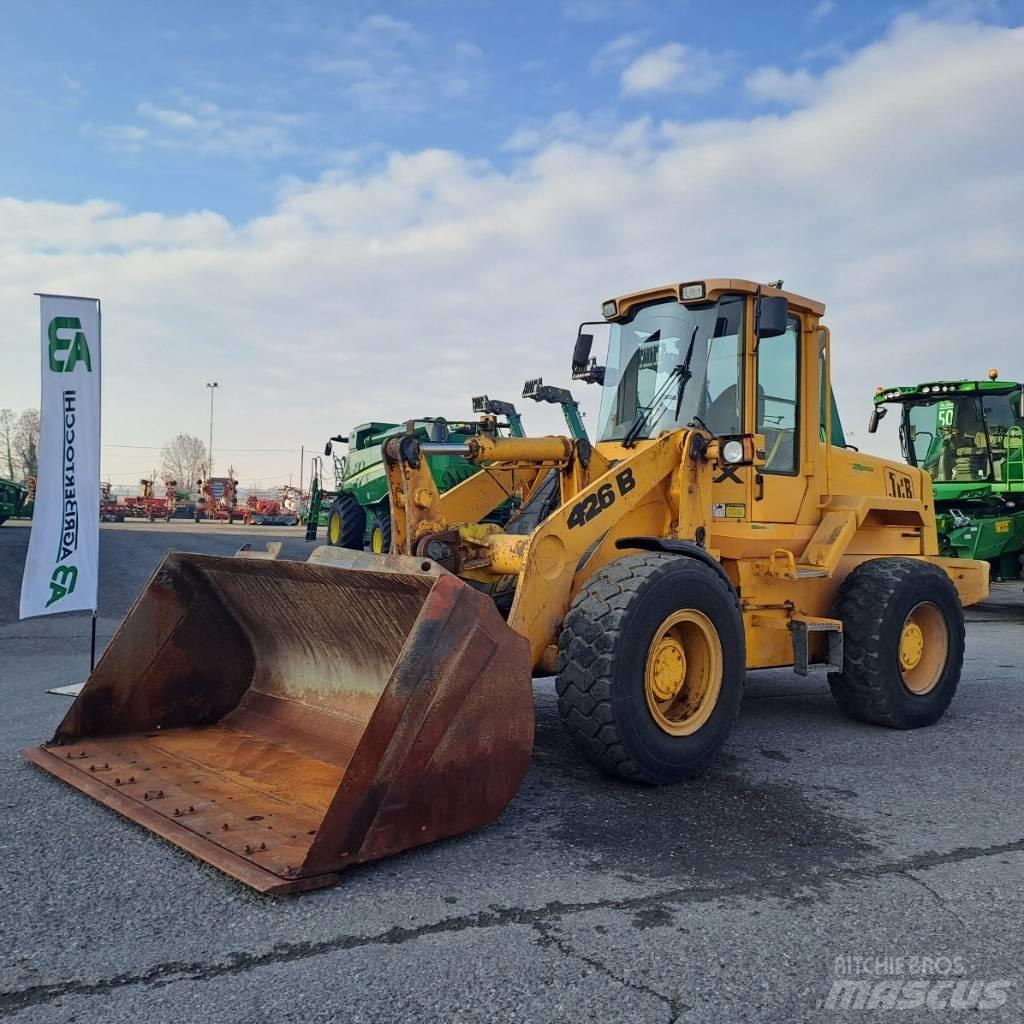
732, 510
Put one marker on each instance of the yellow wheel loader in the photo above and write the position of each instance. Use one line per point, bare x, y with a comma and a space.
283, 720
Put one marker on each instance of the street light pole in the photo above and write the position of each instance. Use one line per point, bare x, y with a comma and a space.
209, 468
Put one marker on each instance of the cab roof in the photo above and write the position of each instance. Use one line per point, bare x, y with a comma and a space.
713, 288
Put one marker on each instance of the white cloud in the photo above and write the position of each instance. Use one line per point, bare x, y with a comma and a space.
770, 84
822, 10
389, 66
204, 128
896, 196
671, 68
596, 10
617, 52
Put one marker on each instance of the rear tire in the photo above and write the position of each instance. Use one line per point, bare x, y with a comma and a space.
346, 523
903, 643
380, 532
651, 667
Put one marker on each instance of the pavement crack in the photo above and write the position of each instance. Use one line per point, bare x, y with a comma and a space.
937, 896
538, 919
549, 938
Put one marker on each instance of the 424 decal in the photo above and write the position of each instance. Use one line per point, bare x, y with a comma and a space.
604, 497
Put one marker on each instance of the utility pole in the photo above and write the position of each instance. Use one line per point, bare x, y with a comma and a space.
302, 466
209, 468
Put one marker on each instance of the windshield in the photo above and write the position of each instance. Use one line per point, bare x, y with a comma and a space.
962, 439
648, 350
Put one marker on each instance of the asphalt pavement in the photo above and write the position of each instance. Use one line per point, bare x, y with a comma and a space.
820, 864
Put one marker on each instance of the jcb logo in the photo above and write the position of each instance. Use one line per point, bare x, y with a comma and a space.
62, 582
66, 353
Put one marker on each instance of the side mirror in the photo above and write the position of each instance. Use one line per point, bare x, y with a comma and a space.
581, 353
328, 448
877, 415
1020, 405
771, 317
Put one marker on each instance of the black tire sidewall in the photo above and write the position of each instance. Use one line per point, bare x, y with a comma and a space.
352, 518
382, 520
915, 709
684, 584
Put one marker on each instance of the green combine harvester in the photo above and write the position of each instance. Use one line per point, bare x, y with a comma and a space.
969, 435
357, 514
12, 499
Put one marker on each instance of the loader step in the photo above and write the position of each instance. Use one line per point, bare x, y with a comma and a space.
801, 628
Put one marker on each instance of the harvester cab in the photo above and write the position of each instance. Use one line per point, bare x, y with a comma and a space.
367, 703
969, 436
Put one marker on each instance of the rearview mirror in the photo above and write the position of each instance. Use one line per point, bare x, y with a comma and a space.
581, 353
877, 415
771, 317
1020, 405
328, 448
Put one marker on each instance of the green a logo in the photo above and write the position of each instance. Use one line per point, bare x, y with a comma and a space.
65, 584
77, 348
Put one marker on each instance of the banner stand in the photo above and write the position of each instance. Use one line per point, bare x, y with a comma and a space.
62, 562
74, 689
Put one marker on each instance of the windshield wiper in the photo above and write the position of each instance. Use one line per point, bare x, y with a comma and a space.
641, 421
684, 371
680, 372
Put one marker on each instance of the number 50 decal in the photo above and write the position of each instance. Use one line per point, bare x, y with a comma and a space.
604, 497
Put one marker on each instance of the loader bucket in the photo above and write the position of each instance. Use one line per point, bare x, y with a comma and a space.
282, 720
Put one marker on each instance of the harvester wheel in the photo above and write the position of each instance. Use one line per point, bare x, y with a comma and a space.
651, 666
380, 532
903, 643
346, 523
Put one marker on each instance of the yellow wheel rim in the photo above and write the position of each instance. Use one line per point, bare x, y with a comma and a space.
334, 528
683, 674
377, 540
924, 646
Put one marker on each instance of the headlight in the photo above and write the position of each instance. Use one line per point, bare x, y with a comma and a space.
732, 452
609, 308
691, 291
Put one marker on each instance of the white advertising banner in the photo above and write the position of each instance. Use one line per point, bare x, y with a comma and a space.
61, 568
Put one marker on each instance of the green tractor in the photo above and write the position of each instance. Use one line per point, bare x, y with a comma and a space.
356, 513
969, 435
12, 499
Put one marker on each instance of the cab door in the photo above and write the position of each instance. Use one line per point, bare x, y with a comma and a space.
780, 484
724, 412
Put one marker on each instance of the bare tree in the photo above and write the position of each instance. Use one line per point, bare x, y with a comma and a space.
7, 430
184, 459
26, 443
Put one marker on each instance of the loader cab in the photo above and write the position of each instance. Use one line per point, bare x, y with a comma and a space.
735, 359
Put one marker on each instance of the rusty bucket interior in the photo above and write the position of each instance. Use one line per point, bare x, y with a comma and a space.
282, 720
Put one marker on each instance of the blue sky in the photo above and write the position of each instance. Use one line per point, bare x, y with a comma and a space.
208, 106
346, 212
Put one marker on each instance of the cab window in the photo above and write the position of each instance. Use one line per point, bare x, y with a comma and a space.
778, 391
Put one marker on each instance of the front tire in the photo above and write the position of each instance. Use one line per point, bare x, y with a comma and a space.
651, 667
346, 523
380, 532
903, 643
